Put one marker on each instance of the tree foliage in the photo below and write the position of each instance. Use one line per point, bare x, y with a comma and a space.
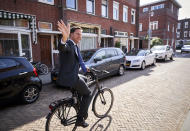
157, 41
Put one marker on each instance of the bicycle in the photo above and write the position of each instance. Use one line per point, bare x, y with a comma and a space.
42, 69
63, 113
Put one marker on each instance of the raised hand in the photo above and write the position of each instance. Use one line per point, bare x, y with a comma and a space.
65, 30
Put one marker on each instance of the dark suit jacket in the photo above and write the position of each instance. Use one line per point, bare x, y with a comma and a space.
69, 65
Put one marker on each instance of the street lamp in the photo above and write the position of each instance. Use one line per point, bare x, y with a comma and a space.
150, 13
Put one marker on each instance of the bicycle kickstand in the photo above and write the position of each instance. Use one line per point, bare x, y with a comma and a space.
74, 128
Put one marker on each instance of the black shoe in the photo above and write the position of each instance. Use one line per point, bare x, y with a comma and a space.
85, 116
82, 124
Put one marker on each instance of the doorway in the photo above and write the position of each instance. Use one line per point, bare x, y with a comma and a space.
45, 47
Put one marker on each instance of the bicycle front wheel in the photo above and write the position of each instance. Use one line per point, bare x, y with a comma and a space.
62, 118
103, 102
44, 69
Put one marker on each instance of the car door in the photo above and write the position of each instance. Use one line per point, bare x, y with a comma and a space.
111, 60
8, 77
149, 57
99, 61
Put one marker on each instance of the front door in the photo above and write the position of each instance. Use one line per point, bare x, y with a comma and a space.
45, 46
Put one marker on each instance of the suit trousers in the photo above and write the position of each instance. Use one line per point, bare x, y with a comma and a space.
84, 91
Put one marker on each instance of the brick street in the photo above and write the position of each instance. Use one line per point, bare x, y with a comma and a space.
155, 99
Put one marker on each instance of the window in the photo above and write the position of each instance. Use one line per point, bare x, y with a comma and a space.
186, 24
157, 7
178, 34
154, 25
111, 53
132, 16
115, 10
125, 13
173, 28
168, 27
7, 63
101, 55
179, 25
25, 46
71, 4
185, 33
51, 2
105, 8
145, 9
172, 7
90, 6
140, 26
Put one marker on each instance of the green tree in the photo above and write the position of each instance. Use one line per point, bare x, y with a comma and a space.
117, 44
156, 41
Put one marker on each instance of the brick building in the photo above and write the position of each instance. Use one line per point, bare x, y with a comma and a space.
29, 27
183, 31
162, 16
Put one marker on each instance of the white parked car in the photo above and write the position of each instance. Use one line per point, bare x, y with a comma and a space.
163, 52
185, 48
140, 59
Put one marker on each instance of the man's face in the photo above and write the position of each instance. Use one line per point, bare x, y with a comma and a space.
76, 36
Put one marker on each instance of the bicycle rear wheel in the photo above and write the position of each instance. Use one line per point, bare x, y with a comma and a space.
43, 69
103, 102
62, 118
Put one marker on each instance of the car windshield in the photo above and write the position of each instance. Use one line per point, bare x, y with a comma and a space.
135, 53
158, 48
86, 55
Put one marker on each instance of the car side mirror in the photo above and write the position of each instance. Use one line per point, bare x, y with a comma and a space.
97, 59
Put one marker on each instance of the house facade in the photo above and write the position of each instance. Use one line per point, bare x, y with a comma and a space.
183, 31
29, 27
159, 20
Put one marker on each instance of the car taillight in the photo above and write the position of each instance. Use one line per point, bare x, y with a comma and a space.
35, 72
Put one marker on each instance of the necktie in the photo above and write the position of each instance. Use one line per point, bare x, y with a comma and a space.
80, 59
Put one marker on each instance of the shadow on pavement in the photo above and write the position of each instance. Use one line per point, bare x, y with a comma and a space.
102, 124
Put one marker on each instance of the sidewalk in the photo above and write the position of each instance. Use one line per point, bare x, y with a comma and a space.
186, 125
46, 79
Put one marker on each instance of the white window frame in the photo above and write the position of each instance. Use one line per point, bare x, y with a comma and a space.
185, 33
46, 2
172, 8
168, 27
154, 25
178, 25
106, 10
76, 8
133, 14
125, 13
116, 6
140, 26
87, 6
178, 34
186, 24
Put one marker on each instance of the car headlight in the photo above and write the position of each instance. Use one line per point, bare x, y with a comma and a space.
136, 61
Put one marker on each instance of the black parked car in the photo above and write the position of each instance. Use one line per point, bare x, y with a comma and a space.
18, 78
109, 59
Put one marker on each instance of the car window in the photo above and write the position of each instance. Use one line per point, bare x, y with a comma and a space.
111, 53
158, 48
135, 53
8, 63
119, 51
86, 55
101, 54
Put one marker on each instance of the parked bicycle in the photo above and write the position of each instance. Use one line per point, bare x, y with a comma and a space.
41, 69
63, 113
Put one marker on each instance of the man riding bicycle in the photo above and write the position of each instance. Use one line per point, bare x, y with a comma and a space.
70, 61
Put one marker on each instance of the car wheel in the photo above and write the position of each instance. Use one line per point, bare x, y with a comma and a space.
30, 94
143, 65
89, 77
154, 62
171, 58
165, 58
121, 70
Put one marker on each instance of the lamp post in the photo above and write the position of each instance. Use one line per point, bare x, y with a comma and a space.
151, 13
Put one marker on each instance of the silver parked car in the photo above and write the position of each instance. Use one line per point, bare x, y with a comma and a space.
185, 48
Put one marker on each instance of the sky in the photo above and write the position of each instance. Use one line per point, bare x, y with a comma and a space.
184, 12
